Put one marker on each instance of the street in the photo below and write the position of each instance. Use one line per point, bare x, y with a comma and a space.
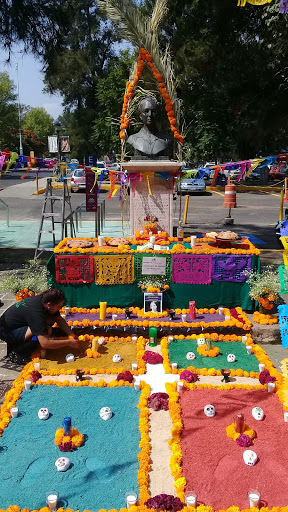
256, 214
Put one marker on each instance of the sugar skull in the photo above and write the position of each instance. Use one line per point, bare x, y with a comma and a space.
101, 341
69, 358
117, 358
250, 457
201, 341
105, 413
190, 356
231, 358
209, 410
62, 464
43, 413
258, 413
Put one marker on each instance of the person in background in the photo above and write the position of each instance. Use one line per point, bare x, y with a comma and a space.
28, 323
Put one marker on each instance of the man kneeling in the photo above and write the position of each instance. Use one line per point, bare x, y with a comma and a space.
33, 317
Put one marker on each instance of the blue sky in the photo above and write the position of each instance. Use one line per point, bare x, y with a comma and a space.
30, 81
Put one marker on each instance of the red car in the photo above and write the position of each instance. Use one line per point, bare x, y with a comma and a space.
278, 172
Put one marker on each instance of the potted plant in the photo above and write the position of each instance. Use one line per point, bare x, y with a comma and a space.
265, 288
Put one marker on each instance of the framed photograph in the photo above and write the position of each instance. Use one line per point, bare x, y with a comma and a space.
153, 302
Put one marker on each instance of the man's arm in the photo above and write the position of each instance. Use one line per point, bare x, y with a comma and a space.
47, 343
61, 322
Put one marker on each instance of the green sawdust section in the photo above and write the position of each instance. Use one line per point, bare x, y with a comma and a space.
56, 358
178, 350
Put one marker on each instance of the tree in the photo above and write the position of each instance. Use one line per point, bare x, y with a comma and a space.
39, 122
109, 96
8, 109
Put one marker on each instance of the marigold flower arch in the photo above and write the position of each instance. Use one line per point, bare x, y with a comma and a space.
145, 56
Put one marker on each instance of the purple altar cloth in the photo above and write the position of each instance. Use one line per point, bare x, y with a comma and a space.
207, 318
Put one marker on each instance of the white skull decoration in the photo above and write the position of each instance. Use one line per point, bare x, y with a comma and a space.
43, 413
190, 356
250, 457
231, 358
258, 413
117, 358
209, 410
105, 413
62, 464
70, 358
201, 341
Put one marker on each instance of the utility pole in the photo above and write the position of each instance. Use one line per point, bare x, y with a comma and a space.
19, 115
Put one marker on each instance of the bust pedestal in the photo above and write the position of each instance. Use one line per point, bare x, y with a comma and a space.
160, 202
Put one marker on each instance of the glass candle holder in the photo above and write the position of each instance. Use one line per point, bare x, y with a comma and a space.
254, 498
14, 412
37, 366
174, 366
220, 310
180, 386
261, 367
190, 498
130, 499
114, 316
137, 384
27, 385
249, 350
51, 499
134, 366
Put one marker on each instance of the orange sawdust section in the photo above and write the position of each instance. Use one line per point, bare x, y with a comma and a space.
56, 358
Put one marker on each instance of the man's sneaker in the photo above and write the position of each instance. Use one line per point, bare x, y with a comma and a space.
18, 359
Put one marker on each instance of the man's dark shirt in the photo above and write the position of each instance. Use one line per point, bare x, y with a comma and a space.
28, 312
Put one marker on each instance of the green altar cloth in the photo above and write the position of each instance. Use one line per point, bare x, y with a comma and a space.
88, 295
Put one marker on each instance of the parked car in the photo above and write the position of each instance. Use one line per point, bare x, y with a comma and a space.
277, 173
74, 161
187, 185
254, 175
114, 167
78, 180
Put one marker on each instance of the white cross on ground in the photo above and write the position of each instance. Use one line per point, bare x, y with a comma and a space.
157, 378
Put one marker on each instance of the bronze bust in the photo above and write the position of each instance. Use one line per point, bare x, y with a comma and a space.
148, 143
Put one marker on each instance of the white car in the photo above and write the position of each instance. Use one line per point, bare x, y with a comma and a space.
78, 180
74, 161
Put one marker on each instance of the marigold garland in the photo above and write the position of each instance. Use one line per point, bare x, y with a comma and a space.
232, 434
174, 442
212, 352
62, 248
144, 56
260, 318
24, 293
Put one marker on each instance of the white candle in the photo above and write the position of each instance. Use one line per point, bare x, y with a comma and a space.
27, 385
67, 310
254, 498
227, 318
141, 232
37, 366
134, 339
150, 233
180, 386
249, 349
174, 366
14, 412
286, 416
193, 241
51, 500
244, 339
190, 499
261, 367
43, 353
134, 366
271, 387
131, 500
114, 316
220, 310
159, 232
100, 241
152, 239
184, 318
170, 339
137, 385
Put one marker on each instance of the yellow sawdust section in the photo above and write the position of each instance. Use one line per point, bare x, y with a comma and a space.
284, 369
118, 269
127, 350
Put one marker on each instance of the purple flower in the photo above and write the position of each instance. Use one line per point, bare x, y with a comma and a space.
35, 375
265, 377
158, 402
66, 447
152, 357
189, 376
127, 376
243, 440
165, 502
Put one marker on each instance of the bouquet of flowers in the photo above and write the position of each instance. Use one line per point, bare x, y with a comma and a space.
264, 287
150, 284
